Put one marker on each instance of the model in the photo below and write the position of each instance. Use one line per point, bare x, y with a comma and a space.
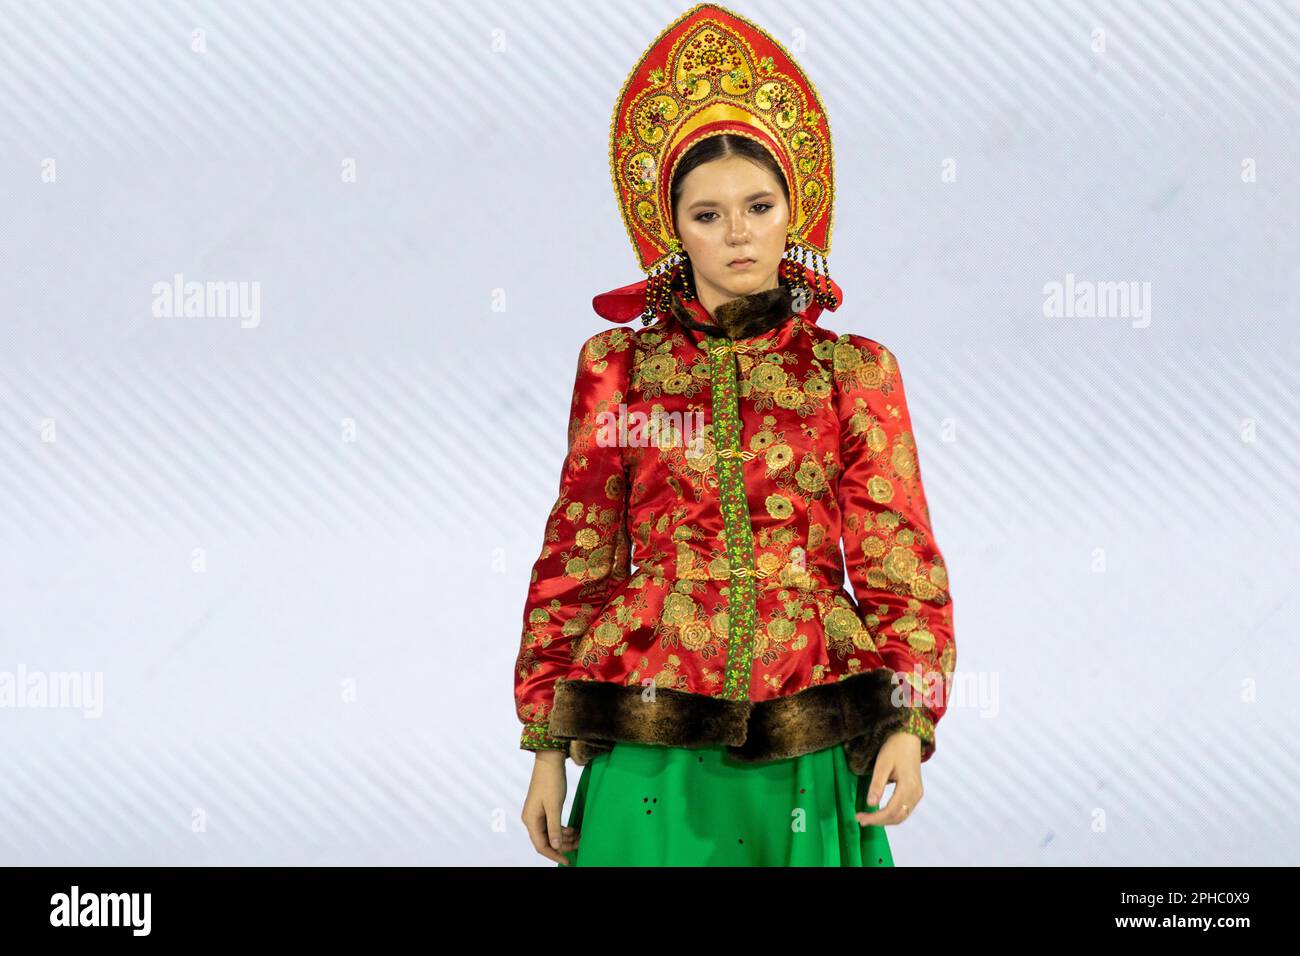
688, 638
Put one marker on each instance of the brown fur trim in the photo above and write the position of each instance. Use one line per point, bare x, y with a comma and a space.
856, 711
743, 317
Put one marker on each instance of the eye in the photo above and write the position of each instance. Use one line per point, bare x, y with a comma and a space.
762, 208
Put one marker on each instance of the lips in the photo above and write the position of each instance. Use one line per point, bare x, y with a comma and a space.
737, 263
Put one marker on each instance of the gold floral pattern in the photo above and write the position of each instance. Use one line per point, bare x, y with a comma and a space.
740, 590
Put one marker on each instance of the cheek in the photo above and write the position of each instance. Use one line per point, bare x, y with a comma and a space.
701, 242
771, 236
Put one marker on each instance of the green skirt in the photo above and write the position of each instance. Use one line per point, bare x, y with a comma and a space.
651, 805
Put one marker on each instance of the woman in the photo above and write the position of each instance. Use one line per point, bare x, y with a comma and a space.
729, 703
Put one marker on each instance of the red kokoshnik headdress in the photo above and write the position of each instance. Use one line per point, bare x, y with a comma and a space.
710, 72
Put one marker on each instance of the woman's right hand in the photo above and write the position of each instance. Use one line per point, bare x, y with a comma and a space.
544, 805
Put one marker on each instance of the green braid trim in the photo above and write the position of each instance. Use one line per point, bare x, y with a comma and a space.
742, 590
536, 737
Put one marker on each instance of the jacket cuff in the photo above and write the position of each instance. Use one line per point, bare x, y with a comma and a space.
920, 723
537, 737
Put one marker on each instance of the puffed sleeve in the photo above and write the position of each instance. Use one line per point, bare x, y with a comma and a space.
899, 577
585, 543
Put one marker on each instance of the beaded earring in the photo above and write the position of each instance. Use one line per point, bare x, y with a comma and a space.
675, 273
795, 261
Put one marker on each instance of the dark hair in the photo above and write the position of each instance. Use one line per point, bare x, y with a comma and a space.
716, 147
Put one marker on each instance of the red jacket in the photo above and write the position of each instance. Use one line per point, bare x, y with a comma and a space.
690, 588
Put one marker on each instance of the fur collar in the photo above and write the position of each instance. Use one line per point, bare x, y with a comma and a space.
740, 318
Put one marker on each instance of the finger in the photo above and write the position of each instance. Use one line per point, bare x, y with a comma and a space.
887, 816
890, 813
879, 777
554, 828
555, 856
901, 804
568, 845
537, 835
881, 816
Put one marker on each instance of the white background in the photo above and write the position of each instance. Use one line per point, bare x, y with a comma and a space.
1145, 713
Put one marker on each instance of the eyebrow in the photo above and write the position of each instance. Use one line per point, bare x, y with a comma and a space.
714, 202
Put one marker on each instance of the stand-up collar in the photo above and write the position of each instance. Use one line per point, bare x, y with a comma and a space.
740, 318
743, 317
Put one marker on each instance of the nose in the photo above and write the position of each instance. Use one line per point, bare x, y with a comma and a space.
739, 232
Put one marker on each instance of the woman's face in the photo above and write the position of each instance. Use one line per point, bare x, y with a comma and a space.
732, 208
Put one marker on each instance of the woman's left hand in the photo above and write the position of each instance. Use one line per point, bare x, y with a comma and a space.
899, 762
